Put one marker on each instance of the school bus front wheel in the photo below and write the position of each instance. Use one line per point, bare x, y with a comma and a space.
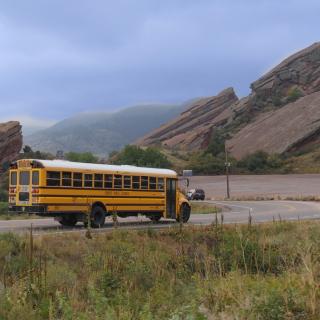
184, 214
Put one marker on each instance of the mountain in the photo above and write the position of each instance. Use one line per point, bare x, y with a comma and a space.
10, 141
281, 114
101, 133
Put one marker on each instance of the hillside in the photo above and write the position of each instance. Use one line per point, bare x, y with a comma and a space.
101, 133
192, 129
283, 130
280, 115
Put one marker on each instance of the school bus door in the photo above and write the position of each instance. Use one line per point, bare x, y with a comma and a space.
171, 190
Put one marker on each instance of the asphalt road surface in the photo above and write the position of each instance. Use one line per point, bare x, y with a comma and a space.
234, 212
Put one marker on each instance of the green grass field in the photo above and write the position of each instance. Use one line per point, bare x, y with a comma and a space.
269, 271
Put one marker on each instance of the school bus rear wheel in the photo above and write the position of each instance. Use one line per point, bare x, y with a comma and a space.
98, 217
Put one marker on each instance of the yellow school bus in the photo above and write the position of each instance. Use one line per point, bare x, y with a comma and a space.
69, 191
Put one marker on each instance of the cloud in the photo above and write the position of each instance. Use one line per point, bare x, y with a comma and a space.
58, 58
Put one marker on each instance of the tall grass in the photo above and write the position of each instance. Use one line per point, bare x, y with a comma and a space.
217, 272
3, 208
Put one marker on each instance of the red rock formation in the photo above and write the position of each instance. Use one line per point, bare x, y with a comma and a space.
268, 119
300, 74
279, 131
289, 125
192, 129
10, 141
301, 70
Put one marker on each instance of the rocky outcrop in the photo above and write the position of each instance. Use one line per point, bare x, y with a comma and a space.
296, 76
301, 70
10, 141
289, 125
283, 130
281, 114
192, 129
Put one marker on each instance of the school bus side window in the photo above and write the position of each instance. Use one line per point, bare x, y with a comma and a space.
136, 182
13, 179
108, 181
77, 180
88, 180
160, 184
67, 179
127, 182
98, 180
117, 181
53, 178
153, 183
144, 182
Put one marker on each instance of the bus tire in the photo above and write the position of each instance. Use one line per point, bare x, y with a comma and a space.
155, 217
98, 217
68, 221
185, 212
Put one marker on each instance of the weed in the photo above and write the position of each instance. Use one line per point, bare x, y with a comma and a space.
268, 271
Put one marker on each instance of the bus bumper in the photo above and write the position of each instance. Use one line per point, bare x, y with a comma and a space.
38, 209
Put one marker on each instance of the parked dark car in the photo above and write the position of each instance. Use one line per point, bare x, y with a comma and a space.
196, 194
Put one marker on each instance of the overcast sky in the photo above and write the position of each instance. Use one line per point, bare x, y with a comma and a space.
61, 57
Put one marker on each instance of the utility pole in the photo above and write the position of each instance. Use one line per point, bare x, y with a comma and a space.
227, 165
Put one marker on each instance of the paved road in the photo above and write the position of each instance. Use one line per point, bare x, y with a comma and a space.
235, 212
263, 211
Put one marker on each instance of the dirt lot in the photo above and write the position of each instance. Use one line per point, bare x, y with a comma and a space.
248, 186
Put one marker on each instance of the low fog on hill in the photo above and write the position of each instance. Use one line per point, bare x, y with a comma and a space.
101, 133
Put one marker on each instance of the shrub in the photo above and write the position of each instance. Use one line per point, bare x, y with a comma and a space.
217, 143
86, 157
276, 100
206, 163
134, 155
3, 208
28, 153
261, 161
294, 94
4, 185
3, 196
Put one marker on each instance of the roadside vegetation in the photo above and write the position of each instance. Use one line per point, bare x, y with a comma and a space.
86, 157
144, 157
4, 214
204, 208
269, 271
3, 208
4, 185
